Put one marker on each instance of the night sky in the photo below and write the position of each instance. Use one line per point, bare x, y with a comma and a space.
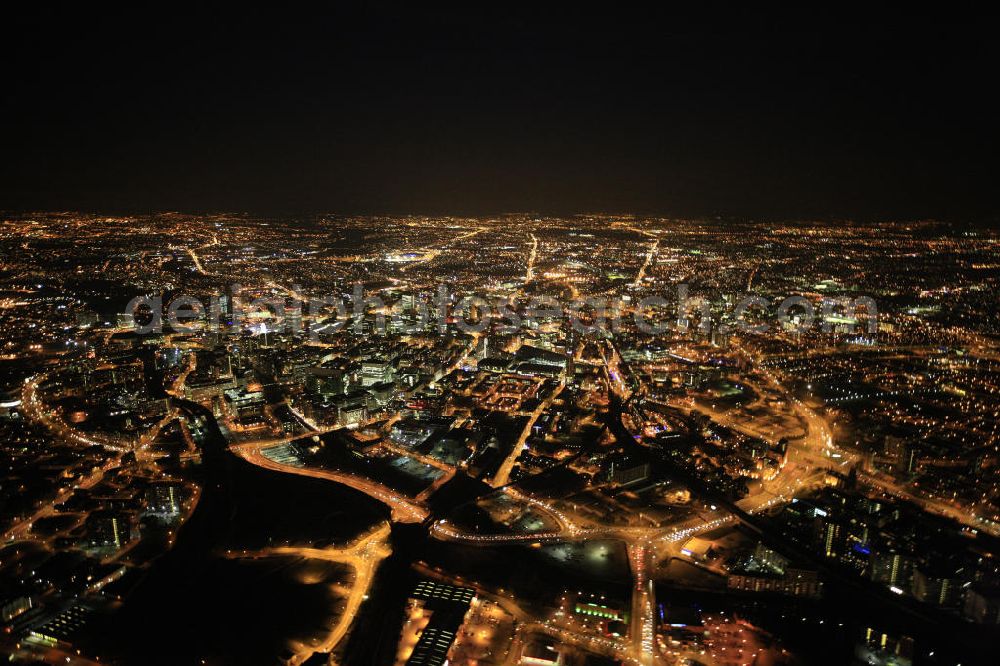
400, 111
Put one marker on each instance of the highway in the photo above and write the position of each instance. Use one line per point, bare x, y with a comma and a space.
363, 555
941, 508
643, 615
431, 252
654, 246
529, 274
35, 410
403, 509
503, 473
21, 529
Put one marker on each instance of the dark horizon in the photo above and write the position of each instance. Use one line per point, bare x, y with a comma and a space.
401, 111
291, 215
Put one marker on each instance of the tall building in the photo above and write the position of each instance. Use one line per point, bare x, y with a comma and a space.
909, 460
375, 371
830, 537
893, 570
109, 529
164, 497
293, 320
408, 302
939, 585
570, 354
324, 380
793, 582
627, 471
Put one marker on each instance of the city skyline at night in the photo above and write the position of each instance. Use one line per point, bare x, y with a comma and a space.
394, 335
